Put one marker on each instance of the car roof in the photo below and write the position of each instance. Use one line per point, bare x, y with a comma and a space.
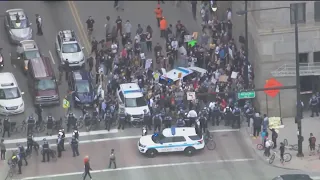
294, 177
41, 68
7, 80
174, 73
198, 69
131, 90
12, 13
179, 131
29, 45
81, 75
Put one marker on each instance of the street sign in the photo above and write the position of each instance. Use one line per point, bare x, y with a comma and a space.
246, 95
272, 83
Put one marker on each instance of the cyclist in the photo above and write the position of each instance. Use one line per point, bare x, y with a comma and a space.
72, 120
90, 23
30, 143
31, 122
45, 150
22, 153
16, 159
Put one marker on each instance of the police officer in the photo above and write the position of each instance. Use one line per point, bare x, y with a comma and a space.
63, 137
74, 146
39, 25
122, 118
75, 134
203, 122
228, 116
87, 120
167, 121
186, 119
147, 119
157, 121
181, 122
250, 113
6, 126
71, 121
45, 150
314, 105
236, 114
50, 121
215, 115
39, 113
108, 119
60, 144
22, 153
18, 160
31, 124
29, 143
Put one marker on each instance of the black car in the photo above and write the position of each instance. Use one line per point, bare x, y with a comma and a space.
293, 177
81, 84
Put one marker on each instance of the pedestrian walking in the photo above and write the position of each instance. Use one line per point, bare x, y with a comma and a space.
112, 159
3, 150
39, 25
163, 27
119, 25
87, 168
6, 126
158, 12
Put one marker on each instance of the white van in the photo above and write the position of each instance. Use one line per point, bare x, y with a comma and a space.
132, 100
11, 101
176, 139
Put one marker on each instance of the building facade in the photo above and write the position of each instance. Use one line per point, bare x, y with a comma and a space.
272, 50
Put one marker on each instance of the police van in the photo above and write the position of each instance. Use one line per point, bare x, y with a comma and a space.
132, 100
176, 139
11, 101
180, 73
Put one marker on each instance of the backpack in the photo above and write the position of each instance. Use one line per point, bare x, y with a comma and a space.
313, 140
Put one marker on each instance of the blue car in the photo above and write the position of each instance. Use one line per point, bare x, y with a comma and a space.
81, 83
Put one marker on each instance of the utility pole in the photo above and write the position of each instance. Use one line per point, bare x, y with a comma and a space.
246, 61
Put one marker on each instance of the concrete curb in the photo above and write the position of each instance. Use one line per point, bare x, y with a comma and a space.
246, 133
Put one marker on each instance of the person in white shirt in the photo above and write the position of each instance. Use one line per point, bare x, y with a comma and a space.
175, 46
192, 115
114, 48
229, 14
268, 146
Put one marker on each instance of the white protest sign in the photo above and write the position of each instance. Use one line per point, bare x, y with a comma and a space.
148, 63
230, 53
234, 75
191, 96
187, 38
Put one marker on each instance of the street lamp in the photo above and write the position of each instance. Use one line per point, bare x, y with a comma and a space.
298, 114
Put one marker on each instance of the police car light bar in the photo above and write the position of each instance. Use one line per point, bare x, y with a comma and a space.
183, 70
132, 91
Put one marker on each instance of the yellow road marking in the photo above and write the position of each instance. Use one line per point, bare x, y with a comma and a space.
82, 34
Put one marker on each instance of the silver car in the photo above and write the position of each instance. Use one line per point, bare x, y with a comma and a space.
17, 25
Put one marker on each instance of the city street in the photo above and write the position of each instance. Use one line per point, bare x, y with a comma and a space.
232, 159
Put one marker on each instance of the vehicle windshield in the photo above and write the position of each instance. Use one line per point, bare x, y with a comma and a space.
71, 48
10, 93
135, 102
32, 54
157, 138
45, 84
19, 25
165, 81
83, 86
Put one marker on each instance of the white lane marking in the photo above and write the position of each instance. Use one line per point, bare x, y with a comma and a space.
315, 177
52, 59
141, 167
68, 135
98, 140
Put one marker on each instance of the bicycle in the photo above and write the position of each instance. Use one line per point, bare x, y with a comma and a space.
290, 147
286, 157
37, 128
35, 148
12, 169
208, 141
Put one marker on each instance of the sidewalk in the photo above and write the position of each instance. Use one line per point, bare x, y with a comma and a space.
4, 168
289, 132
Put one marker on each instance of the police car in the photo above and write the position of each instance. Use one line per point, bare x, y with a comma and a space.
180, 73
176, 139
68, 48
132, 100
80, 82
11, 101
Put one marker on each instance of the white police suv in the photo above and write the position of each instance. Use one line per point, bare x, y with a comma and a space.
175, 139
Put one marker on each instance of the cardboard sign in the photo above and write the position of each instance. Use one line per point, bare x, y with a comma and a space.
195, 35
148, 63
234, 75
191, 96
230, 53
182, 51
187, 38
213, 80
223, 78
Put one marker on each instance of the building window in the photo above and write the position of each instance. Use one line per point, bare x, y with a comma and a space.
316, 56
301, 12
303, 57
317, 11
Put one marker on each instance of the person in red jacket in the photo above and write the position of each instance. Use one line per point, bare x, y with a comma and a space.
87, 168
